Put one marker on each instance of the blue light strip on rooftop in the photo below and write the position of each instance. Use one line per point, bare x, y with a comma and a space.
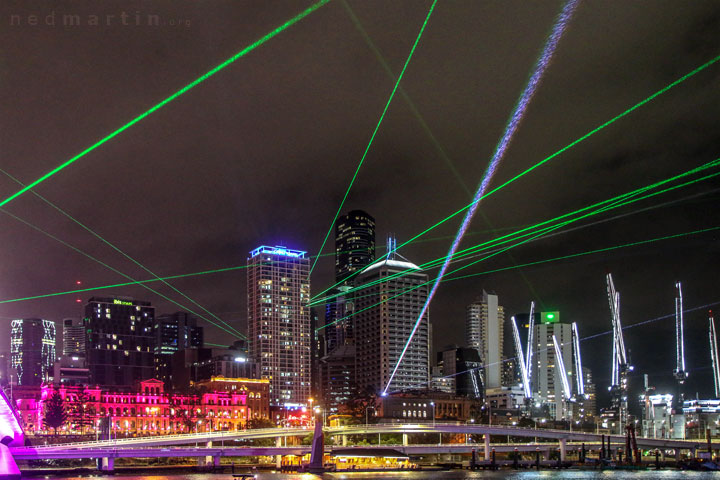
278, 251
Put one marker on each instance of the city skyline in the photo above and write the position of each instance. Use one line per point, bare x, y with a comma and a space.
180, 195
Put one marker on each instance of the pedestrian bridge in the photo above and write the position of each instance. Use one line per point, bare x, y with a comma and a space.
212, 446
382, 428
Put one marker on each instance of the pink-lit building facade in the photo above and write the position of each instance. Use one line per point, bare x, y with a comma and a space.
147, 410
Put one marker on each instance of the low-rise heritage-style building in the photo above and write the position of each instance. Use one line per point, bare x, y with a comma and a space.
146, 410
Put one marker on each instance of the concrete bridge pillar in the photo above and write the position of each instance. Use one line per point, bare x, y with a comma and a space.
216, 461
486, 452
563, 449
405, 439
208, 460
546, 454
344, 440
107, 464
677, 454
278, 458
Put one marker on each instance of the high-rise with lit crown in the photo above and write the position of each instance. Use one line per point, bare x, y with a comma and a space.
278, 282
383, 322
354, 243
547, 382
484, 330
32, 350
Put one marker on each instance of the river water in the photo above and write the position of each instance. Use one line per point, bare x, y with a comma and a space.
439, 475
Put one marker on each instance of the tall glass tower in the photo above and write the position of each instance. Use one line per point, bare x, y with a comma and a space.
278, 283
354, 243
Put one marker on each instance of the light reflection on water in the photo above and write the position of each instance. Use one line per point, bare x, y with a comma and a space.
440, 475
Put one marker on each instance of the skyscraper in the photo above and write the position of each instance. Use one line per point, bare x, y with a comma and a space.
32, 350
589, 403
338, 377
484, 330
354, 243
354, 250
464, 367
73, 337
176, 331
339, 322
120, 340
384, 321
173, 332
547, 383
279, 321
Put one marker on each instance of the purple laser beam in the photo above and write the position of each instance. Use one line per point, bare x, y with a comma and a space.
540, 66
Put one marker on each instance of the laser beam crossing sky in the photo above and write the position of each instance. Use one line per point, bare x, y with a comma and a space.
550, 46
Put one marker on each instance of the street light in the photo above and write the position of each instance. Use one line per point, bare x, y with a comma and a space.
471, 421
324, 412
432, 404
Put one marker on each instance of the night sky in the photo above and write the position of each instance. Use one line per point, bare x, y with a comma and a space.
262, 153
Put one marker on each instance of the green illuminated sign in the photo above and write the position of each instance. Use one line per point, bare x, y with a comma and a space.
121, 302
550, 317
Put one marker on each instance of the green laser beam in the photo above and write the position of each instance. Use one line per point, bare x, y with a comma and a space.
413, 108
117, 249
597, 211
553, 155
515, 264
589, 252
138, 282
577, 141
530, 264
124, 284
622, 200
612, 201
493, 242
169, 99
415, 287
204, 272
471, 251
436, 263
75, 249
600, 207
374, 133
426, 128
606, 208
